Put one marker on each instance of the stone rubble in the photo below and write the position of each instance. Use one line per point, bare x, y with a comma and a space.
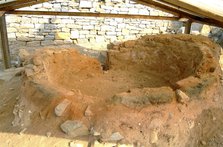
74, 128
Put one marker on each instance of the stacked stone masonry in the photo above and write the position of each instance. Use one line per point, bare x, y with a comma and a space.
90, 32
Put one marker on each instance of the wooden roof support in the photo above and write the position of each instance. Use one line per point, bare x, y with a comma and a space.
187, 27
19, 4
92, 15
182, 13
188, 5
158, 6
4, 41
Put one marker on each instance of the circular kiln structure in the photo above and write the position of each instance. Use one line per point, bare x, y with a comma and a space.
188, 65
151, 70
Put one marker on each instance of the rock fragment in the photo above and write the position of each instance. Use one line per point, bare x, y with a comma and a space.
48, 134
116, 137
60, 108
88, 112
74, 128
182, 97
23, 54
154, 136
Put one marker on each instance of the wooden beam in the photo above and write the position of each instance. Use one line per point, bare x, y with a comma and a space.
4, 41
92, 15
158, 6
187, 27
198, 7
16, 2
184, 14
19, 4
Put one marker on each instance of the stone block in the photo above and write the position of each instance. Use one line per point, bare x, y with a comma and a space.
146, 31
156, 31
99, 39
55, 20
70, 21
107, 28
121, 25
47, 5
49, 37
62, 36
125, 32
34, 20
69, 41
47, 42
206, 29
84, 32
93, 32
89, 27
23, 30
11, 30
11, 35
33, 43
43, 20
65, 29
111, 33
27, 26
73, 26
101, 32
39, 38
133, 11
82, 41
50, 26
58, 42
13, 18
24, 38
39, 26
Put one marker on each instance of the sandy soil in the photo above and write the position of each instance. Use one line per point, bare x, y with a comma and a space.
123, 97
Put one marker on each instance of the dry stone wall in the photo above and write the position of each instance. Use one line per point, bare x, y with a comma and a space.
90, 32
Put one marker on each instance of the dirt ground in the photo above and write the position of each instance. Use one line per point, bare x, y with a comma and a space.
133, 92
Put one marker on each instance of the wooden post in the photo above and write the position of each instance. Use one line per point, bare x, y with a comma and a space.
4, 41
187, 27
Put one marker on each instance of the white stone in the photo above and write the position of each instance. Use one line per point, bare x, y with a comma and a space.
11, 35
154, 136
84, 32
11, 30
90, 27
88, 112
133, 11
85, 4
55, 20
61, 107
43, 20
99, 39
182, 97
27, 26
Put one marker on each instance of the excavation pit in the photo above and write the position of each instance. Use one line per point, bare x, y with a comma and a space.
152, 71
141, 72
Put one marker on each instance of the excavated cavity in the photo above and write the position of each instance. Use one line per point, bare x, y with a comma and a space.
141, 72
169, 58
